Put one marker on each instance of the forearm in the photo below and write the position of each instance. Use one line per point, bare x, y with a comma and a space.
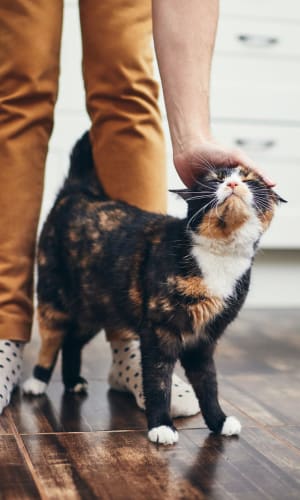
184, 36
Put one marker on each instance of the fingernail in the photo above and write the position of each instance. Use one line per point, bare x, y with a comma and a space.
269, 182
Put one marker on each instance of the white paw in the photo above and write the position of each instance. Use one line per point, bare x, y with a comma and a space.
163, 435
34, 386
231, 427
80, 387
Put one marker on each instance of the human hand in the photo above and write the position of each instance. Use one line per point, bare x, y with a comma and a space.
198, 156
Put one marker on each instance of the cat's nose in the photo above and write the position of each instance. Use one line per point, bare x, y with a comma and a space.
232, 184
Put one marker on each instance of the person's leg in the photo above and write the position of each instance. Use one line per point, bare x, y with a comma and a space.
126, 132
29, 60
127, 139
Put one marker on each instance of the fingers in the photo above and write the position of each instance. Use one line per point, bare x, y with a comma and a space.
190, 164
244, 160
187, 175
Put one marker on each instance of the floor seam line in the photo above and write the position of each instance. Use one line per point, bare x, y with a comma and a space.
24, 453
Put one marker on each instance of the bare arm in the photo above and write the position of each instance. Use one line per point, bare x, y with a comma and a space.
184, 36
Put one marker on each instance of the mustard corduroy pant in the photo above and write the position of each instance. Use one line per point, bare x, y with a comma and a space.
126, 133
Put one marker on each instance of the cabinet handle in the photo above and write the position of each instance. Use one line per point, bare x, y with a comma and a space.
258, 40
255, 144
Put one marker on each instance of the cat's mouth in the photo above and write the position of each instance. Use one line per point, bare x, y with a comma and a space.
235, 196
236, 193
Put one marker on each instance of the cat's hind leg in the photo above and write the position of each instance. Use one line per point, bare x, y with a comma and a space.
53, 326
157, 366
201, 372
126, 376
71, 364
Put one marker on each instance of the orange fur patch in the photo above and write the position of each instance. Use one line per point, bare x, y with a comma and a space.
96, 248
111, 220
204, 311
51, 336
120, 334
74, 236
49, 315
208, 305
191, 286
221, 222
42, 260
266, 218
161, 304
135, 295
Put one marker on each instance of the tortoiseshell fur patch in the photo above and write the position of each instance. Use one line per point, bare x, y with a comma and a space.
106, 264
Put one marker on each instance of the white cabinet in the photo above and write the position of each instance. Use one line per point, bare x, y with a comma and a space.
255, 101
259, 37
261, 9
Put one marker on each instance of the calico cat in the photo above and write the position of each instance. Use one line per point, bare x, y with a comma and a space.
176, 283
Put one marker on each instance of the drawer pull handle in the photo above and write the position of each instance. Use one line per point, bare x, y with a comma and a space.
258, 40
255, 144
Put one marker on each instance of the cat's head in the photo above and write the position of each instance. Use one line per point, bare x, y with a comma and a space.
222, 200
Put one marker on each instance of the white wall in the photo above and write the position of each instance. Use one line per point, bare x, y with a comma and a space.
277, 273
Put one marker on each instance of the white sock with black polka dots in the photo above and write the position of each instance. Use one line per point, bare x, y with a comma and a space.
126, 375
11, 354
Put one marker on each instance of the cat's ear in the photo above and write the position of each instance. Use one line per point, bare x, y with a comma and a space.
185, 194
278, 199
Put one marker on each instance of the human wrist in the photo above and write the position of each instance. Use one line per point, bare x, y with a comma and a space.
189, 142
190, 124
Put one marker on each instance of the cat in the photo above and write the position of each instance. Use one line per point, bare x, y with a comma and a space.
177, 283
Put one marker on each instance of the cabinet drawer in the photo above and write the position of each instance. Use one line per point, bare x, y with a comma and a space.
253, 71
262, 142
257, 37
258, 89
258, 104
270, 9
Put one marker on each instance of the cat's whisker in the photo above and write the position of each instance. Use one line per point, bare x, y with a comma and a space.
261, 200
197, 213
198, 197
214, 202
207, 191
206, 186
214, 209
201, 159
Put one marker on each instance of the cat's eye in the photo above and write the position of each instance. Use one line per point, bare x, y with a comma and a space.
216, 179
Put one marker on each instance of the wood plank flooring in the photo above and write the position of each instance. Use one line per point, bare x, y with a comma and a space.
61, 446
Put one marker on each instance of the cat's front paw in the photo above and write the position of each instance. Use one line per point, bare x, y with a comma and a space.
163, 435
78, 386
34, 386
231, 427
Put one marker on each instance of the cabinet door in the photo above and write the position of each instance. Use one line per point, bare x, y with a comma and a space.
254, 88
258, 37
262, 9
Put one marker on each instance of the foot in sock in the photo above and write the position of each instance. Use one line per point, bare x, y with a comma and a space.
11, 354
126, 375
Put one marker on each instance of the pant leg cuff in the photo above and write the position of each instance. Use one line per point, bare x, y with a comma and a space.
14, 329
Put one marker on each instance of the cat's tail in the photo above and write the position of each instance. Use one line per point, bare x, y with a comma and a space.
82, 173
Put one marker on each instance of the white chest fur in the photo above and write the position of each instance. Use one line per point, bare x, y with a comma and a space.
224, 262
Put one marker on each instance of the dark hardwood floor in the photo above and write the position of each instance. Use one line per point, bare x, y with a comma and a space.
61, 446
